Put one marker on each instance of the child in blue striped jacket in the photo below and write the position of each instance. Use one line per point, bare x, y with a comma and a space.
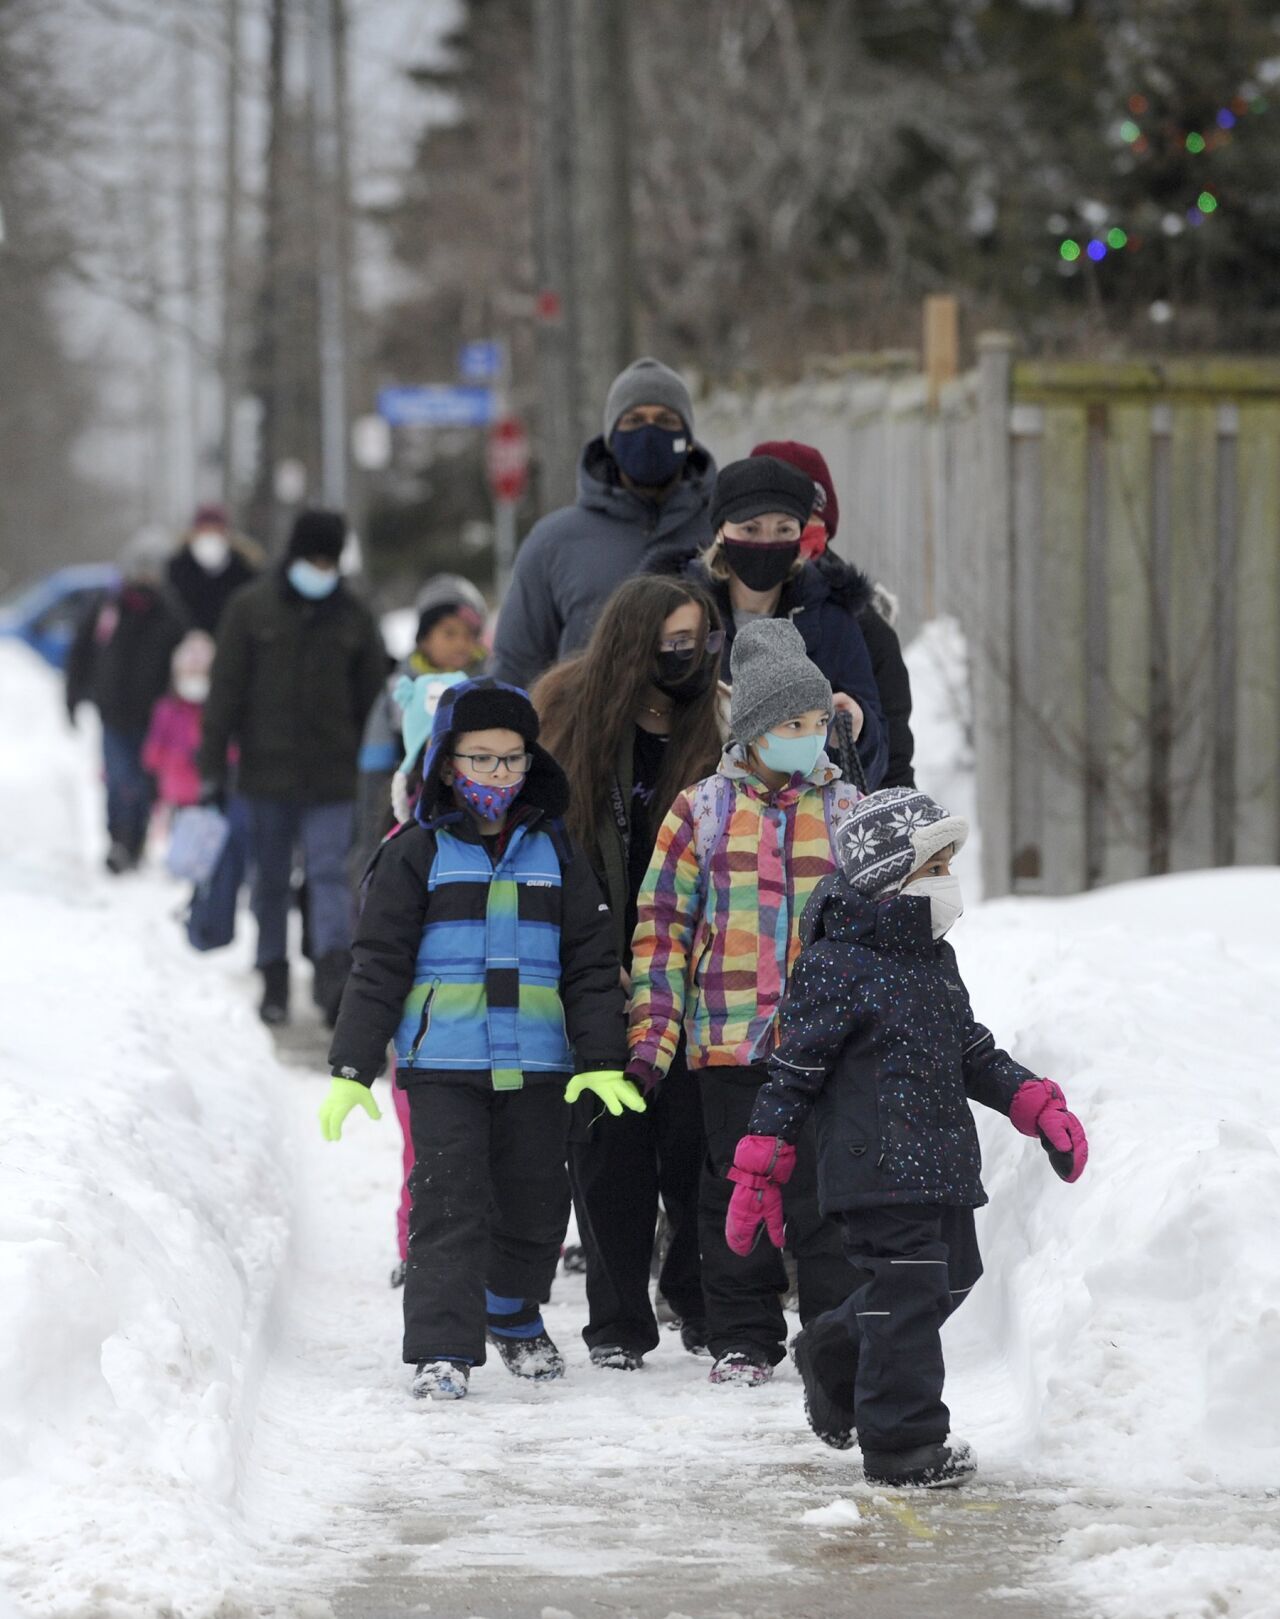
485, 949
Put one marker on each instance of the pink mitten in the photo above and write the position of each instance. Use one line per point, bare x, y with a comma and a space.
1040, 1109
762, 1165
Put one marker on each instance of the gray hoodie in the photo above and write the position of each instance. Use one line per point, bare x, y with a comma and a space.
574, 559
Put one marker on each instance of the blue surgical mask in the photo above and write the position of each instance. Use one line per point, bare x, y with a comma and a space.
312, 582
789, 755
650, 456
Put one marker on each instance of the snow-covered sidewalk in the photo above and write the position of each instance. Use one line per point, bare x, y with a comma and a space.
202, 1407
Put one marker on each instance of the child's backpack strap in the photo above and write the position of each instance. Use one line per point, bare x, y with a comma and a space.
838, 801
363, 889
709, 802
558, 833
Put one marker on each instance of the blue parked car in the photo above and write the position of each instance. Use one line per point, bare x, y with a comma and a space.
47, 613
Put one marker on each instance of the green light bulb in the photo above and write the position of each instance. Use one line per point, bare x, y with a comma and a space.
1070, 250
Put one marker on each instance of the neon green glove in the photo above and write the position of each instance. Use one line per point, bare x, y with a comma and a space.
613, 1088
344, 1094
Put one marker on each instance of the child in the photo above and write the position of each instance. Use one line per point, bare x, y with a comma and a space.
173, 737
736, 859
878, 1041
485, 948
447, 643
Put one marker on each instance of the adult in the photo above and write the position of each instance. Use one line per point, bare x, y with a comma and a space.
211, 563
632, 721
120, 661
873, 607
300, 661
754, 570
644, 484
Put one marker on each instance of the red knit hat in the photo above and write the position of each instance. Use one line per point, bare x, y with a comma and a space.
813, 462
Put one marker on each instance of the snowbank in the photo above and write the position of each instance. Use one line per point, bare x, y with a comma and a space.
142, 1208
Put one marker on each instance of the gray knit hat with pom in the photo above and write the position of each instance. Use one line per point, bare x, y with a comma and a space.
890, 834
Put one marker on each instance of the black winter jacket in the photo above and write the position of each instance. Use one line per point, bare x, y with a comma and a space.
119, 659
385, 948
575, 558
877, 1037
852, 589
292, 683
203, 594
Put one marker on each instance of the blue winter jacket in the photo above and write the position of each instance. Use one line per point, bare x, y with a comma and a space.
574, 559
878, 1040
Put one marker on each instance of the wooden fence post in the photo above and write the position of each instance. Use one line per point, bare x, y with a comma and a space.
992, 625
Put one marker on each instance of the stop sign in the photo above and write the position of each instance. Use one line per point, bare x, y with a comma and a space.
507, 458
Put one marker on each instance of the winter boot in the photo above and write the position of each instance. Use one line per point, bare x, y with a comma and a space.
617, 1357
693, 1335
927, 1467
573, 1260
741, 1367
274, 1006
330, 978
832, 1423
398, 1273
120, 858
440, 1380
536, 1358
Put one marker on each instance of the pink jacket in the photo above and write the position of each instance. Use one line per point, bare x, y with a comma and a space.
169, 752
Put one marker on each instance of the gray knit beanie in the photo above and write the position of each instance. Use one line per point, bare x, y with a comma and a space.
647, 382
773, 679
890, 834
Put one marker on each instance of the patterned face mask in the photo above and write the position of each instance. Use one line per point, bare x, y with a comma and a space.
489, 801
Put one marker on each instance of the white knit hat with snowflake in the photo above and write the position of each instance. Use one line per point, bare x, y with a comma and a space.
892, 833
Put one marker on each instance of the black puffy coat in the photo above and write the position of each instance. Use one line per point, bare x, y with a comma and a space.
397, 898
119, 659
854, 591
205, 595
878, 1039
292, 683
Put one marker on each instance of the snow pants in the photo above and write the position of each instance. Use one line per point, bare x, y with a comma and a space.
324, 832
618, 1168
879, 1354
130, 790
490, 1205
744, 1295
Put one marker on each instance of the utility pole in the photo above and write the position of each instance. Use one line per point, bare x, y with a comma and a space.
231, 256
270, 377
559, 417
601, 200
185, 111
331, 281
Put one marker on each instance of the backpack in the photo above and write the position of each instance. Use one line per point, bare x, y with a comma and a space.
712, 799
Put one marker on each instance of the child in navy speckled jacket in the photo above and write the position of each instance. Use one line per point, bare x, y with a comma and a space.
877, 1038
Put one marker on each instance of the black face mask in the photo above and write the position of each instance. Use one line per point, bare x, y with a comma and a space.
651, 457
684, 676
760, 567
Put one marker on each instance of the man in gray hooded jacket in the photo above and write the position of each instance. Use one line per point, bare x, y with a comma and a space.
644, 485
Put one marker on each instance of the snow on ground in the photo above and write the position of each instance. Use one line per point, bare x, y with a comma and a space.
202, 1406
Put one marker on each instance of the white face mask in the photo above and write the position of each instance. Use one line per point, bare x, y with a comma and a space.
194, 688
211, 549
945, 904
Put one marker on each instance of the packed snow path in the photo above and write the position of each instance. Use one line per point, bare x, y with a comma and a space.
203, 1413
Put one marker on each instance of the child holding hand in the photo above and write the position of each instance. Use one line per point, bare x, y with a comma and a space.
879, 1044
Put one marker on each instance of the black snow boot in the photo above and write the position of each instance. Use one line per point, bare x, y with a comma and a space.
274, 1006
693, 1335
330, 978
832, 1423
120, 858
536, 1358
927, 1467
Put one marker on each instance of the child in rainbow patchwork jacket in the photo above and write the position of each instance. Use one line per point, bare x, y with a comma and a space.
718, 923
485, 950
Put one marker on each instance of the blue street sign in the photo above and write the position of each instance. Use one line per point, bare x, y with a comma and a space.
436, 404
480, 362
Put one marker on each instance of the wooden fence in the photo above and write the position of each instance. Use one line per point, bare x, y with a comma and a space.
1109, 537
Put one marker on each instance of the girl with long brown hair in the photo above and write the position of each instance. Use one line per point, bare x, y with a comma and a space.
632, 721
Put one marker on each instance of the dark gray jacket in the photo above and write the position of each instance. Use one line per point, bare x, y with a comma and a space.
574, 559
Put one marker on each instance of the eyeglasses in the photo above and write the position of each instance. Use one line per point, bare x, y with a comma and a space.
689, 643
486, 764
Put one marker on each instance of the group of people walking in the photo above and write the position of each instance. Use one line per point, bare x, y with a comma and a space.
653, 914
